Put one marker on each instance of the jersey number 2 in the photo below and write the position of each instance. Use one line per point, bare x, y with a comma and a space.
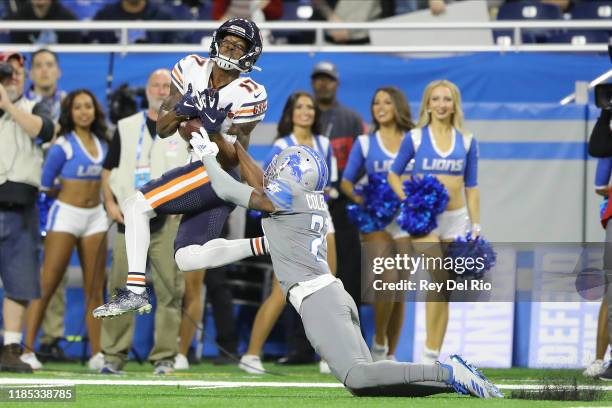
317, 224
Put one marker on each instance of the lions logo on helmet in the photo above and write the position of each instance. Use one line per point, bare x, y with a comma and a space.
245, 29
301, 164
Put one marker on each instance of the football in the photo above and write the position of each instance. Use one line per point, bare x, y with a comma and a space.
186, 128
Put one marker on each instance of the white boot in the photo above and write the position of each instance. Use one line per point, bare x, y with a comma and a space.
251, 364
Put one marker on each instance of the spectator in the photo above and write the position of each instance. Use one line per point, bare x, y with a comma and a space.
76, 218
256, 10
374, 153
136, 154
440, 136
600, 145
347, 11
44, 73
598, 366
134, 10
26, 124
44, 10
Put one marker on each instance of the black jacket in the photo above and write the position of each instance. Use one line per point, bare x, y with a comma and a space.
600, 143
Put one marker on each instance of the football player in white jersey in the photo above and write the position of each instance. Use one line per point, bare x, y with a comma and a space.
240, 103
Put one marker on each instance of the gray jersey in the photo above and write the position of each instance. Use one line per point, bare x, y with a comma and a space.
296, 233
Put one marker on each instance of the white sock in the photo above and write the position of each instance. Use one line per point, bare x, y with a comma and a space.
218, 252
137, 213
12, 337
430, 353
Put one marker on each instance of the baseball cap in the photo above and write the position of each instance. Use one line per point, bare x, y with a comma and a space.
5, 56
325, 68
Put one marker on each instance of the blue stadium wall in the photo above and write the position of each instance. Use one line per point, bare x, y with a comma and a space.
535, 177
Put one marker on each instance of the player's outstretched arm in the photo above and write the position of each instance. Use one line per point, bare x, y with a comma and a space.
222, 183
168, 120
249, 169
227, 149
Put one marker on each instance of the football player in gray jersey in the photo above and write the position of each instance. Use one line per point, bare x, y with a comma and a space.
292, 196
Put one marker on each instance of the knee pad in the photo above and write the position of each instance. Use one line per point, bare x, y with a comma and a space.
181, 257
357, 379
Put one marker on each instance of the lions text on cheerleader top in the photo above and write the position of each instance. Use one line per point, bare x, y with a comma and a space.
69, 159
419, 152
369, 153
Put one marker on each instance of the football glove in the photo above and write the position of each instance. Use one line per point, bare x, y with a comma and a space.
187, 105
212, 117
202, 146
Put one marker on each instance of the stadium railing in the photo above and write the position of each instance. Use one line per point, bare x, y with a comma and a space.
320, 45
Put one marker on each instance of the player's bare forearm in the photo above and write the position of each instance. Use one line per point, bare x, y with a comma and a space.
227, 152
249, 169
168, 121
260, 202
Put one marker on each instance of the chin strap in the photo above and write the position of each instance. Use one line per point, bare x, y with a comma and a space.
228, 64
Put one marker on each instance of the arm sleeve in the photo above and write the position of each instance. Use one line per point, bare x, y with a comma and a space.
56, 157
354, 162
600, 143
114, 152
602, 174
470, 176
404, 155
225, 186
48, 129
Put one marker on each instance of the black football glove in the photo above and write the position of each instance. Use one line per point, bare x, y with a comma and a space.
212, 117
187, 105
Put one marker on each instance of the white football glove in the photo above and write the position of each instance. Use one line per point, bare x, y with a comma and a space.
202, 146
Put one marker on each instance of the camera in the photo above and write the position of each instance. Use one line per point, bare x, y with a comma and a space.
6, 71
126, 101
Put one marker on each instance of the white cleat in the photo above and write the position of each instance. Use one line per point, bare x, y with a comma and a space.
31, 360
181, 362
251, 364
466, 379
595, 369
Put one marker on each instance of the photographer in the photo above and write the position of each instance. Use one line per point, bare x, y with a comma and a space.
600, 145
23, 126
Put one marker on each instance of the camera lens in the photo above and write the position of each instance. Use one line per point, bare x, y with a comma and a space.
6, 70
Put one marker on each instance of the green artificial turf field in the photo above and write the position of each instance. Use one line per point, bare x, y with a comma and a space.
206, 385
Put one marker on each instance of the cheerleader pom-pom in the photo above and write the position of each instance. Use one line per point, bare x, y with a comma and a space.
478, 249
379, 206
415, 221
426, 198
426, 193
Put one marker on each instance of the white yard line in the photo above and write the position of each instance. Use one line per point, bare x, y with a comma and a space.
228, 384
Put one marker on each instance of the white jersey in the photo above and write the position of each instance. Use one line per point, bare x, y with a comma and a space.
249, 99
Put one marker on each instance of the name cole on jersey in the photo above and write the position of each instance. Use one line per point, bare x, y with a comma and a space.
248, 98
